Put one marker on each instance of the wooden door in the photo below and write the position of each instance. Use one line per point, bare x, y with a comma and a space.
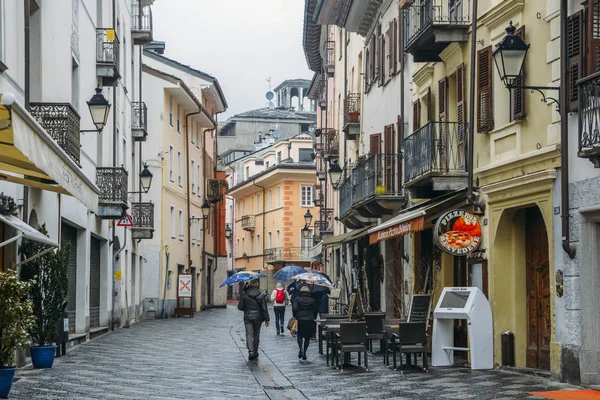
539, 325
387, 160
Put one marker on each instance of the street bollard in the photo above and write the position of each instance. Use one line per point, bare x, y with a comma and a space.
62, 332
508, 349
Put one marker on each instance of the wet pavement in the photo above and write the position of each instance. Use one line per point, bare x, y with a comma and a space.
205, 357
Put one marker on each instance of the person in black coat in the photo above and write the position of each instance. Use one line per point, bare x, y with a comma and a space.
254, 305
305, 310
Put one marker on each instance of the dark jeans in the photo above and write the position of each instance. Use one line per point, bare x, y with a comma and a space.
252, 336
279, 318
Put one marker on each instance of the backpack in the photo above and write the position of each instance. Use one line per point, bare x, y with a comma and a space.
279, 296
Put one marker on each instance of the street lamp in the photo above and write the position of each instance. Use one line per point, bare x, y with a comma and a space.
205, 209
228, 231
99, 110
145, 179
335, 173
306, 232
509, 58
307, 218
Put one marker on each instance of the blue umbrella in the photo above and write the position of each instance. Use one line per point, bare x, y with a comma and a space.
242, 277
285, 274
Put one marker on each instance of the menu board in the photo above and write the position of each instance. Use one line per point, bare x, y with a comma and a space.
356, 311
420, 308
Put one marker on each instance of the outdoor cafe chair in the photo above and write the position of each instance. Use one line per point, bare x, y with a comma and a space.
411, 339
328, 336
390, 327
374, 323
351, 339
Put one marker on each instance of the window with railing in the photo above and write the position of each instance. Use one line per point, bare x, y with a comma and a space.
112, 182
107, 47
352, 108
423, 14
141, 16
139, 115
142, 215
589, 118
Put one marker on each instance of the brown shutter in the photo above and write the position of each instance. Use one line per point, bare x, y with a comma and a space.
367, 68
518, 95
394, 45
574, 53
387, 160
375, 144
442, 99
461, 108
416, 115
485, 110
430, 108
390, 49
381, 59
400, 39
593, 37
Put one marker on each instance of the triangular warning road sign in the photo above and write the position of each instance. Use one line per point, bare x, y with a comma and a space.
126, 221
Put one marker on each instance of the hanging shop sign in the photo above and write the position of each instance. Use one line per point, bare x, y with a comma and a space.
457, 232
414, 225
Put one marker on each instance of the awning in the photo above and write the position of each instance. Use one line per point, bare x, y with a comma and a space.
315, 251
346, 237
29, 156
27, 231
413, 218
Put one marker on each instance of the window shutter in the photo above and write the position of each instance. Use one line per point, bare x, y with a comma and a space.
430, 108
574, 53
518, 95
375, 144
416, 115
390, 49
485, 110
367, 67
593, 36
373, 58
400, 39
394, 46
381, 60
442, 99
461, 106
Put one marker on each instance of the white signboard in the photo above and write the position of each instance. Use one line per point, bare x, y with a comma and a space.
185, 286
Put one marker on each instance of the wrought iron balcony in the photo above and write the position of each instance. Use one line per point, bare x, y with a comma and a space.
321, 167
61, 121
215, 190
323, 94
325, 222
329, 54
112, 201
139, 121
352, 115
435, 157
141, 23
331, 142
319, 199
589, 118
248, 222
286, 254
107, 56
142, 215
431, 25
345, 191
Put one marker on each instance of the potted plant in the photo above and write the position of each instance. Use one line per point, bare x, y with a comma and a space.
48, 275
16, 320
353, 116
215, 186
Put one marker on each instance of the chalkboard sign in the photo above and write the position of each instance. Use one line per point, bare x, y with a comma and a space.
355, 308
420, 308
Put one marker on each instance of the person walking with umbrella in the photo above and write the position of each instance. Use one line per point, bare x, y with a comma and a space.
280, 299
305, 310
254, 305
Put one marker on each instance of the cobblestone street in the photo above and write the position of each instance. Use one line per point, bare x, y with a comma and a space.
205, 358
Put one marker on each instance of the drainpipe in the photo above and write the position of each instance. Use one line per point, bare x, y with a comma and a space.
114, 164
188, 198
471, 128
564, 136
264, 213
401, 162
27, 10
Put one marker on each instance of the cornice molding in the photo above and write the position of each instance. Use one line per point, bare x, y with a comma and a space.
423, 74
498, 15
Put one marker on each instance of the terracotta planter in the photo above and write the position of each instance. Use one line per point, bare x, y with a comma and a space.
353, 116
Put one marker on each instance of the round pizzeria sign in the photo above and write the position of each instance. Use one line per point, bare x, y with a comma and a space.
457, 232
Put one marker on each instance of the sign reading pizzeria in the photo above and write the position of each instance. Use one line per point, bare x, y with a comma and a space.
414, 225
457, 232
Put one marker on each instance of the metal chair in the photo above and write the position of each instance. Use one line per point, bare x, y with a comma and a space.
351, 339
328, 336
411, 339
374, 323
389, 338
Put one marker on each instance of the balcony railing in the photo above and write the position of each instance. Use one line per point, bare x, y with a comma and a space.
215, 187
61, 121
249, 222
323, 94
346, 195
325, 221
331, 142
141, 22
436, 148
352, 109
329, 53
287, 254
107, 47
139, 120
589, 118
379, 175
112, 182
142, 215
423, 16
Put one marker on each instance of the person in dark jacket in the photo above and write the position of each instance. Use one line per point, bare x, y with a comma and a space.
254, 305
305, 310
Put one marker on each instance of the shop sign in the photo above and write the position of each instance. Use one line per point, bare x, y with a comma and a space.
457, 232
414, 225
185, 286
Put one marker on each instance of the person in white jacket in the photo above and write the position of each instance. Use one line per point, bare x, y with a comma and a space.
280, 299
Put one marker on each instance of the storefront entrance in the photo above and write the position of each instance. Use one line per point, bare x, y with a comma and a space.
539, 325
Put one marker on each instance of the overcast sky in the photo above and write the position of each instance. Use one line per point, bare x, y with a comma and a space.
240, 42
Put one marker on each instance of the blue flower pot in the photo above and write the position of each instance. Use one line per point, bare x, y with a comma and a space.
6, 380
43, 356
